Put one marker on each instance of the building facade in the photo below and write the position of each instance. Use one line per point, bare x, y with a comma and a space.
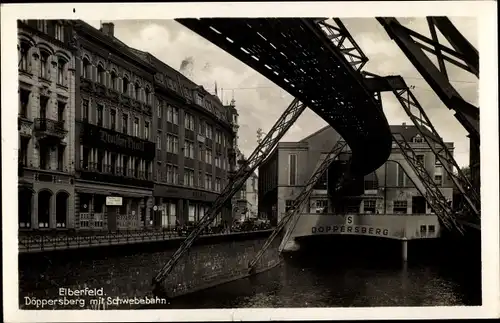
46, 64
388, 190
195, 137
114, 147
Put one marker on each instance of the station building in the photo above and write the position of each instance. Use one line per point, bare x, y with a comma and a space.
388, 190
46, 64
114, 146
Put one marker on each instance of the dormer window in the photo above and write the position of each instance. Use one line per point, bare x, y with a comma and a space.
59, 34
418, 139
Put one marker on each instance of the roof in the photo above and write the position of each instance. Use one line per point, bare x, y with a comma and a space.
407, 131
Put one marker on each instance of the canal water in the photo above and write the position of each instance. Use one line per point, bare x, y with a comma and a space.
357, 273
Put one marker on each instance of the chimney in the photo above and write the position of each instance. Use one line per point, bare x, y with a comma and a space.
108, 28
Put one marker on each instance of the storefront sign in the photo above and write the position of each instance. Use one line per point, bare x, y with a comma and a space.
121, 141
356, 229
114, 201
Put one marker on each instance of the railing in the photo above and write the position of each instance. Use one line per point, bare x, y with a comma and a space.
40, 241
50, 126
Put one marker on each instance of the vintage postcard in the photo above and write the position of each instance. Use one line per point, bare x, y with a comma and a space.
270, 161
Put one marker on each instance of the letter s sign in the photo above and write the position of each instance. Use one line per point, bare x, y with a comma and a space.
350, 219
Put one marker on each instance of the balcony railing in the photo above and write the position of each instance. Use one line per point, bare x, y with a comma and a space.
114, 174
49, 127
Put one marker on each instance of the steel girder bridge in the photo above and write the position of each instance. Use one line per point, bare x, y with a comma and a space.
311, 59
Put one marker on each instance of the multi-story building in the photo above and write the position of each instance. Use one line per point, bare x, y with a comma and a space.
115, 147
46, 124
388, 190
195, 140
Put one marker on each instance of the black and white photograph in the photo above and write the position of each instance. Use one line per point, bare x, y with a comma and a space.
257, 156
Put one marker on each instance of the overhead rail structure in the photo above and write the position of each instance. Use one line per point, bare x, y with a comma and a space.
313, 61
298, 56
463, 55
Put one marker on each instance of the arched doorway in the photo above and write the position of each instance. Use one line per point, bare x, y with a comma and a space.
61, 209
25, 200
44, 200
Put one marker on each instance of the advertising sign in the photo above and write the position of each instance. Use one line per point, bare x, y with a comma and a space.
114, 201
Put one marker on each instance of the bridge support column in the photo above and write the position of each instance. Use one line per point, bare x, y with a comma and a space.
404, 249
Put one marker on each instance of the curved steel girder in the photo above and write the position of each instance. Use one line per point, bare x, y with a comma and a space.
296, 55
466, 113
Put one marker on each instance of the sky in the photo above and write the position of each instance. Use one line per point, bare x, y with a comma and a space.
260, 102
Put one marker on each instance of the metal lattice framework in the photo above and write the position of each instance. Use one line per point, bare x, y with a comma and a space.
287, 119
433, 194
463, 55
298, 56
414, 110
342, 39
300, 199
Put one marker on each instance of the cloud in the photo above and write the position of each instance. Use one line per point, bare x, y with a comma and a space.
260, 102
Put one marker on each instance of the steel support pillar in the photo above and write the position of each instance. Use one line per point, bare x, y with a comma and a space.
286, 120
466, 113
414, 110
299, 201
433, 194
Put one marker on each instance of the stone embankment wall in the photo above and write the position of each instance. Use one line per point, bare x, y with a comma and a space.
127, 271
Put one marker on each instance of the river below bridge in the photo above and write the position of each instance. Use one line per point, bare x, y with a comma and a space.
321, 278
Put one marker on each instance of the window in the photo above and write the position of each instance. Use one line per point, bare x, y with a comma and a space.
175, 174
61, 107
24, 50
400, 207
292, 169
42, 25
200, 153
188, 149
86, 68
113, 119
60, 158
60, 72
217, 161
218, 137
85, 109
201, 128
218, 185
59, 32
423, 229
137, 91
114, 81
172, 144
136, 127
209, 131
175, 115
188, 177
199, 99
24, 98
125, 85
369, 206
148, 95
188, 121
208, 155
23, 151
125, 124
146, 130
100, 111
44, 102
101, 74
288, 205
159, 109
418, 139
432, 229
208, 182
321, 206
421, 159
438, 163
44, 67
158, 141
438, 179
